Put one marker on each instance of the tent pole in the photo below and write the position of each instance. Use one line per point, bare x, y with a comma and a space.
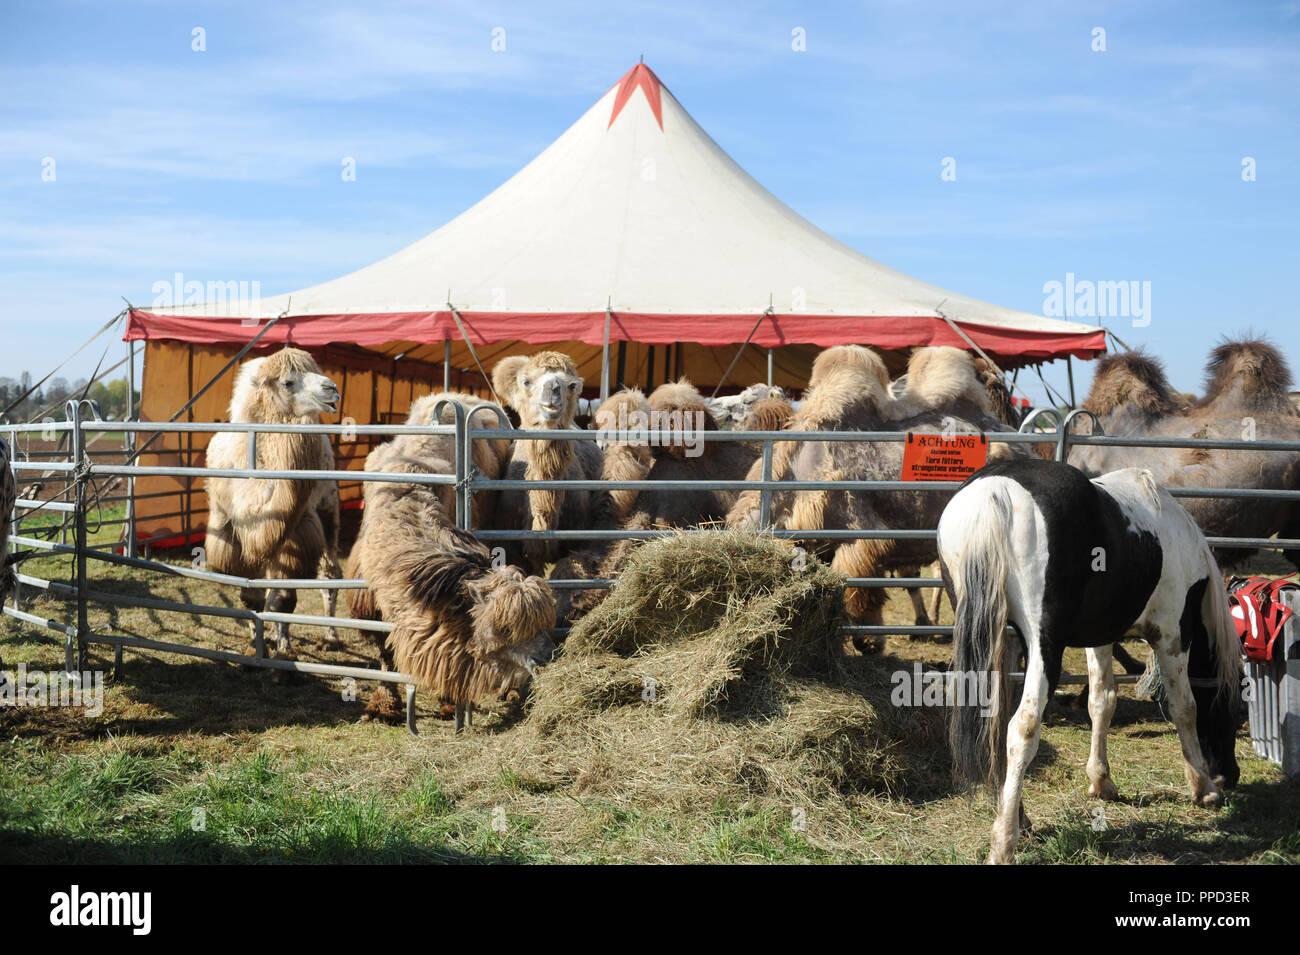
604, 360
130, 447
740, 351
446, 364
1069, 370
769, 368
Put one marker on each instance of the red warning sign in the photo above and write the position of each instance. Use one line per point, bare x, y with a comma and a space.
943, 457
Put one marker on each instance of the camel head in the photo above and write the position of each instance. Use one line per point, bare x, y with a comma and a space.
678, 409
490, 454
772, 413
1132, 378
1251, 373
734, 410
623, 411
284, 388
512, 620
1000, 401
543, 388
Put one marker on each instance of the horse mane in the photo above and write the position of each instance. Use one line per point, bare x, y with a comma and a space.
1252, 370
1132, 378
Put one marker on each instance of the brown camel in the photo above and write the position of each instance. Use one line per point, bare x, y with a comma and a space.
849, 391
543, 390
675, 414
1003, 408
468, 631
271, 528
1247, 385
436, 454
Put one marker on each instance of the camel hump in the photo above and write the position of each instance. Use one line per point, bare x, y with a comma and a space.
1249, 370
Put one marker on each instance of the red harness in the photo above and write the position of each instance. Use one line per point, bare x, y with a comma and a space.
1259, 613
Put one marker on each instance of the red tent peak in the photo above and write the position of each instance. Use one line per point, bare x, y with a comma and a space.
639, 76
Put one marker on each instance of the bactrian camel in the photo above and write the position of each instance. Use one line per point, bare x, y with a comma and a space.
273, 527
543, 389
849, 391
436, 454
1246, 397
467, 629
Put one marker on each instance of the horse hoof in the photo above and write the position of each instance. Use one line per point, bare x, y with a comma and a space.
1211, 800
1106, 790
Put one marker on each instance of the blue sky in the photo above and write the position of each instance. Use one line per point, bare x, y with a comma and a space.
1122, 165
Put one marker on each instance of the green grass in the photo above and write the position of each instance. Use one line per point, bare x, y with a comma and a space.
194, 761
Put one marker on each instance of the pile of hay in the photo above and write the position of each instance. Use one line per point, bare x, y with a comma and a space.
713, 673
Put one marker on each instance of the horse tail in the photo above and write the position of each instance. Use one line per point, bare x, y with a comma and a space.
1224, 641
975, 553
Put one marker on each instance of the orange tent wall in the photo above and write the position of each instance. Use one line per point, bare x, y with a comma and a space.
173, 511
379, 389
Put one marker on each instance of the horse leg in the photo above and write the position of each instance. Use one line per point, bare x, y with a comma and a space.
1023, 733
1101, 708
1182, 707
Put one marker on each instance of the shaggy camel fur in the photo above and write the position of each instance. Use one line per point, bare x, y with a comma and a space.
1247, 384
1001, 405
544, 389
849, 391
466, 630
677, 413
269, 528
436, 454
625, 410
734, 410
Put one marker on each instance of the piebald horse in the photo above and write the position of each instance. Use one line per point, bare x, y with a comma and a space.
1073, 562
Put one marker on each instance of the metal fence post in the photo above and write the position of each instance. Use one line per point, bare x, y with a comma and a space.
765, 495
81, 477
130, 548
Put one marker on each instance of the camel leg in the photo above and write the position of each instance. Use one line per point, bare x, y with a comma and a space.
1101, 708
917, 597
383, 706
937, 601
330, 570
254, 600
1023, 733
283, 601
1182, 708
